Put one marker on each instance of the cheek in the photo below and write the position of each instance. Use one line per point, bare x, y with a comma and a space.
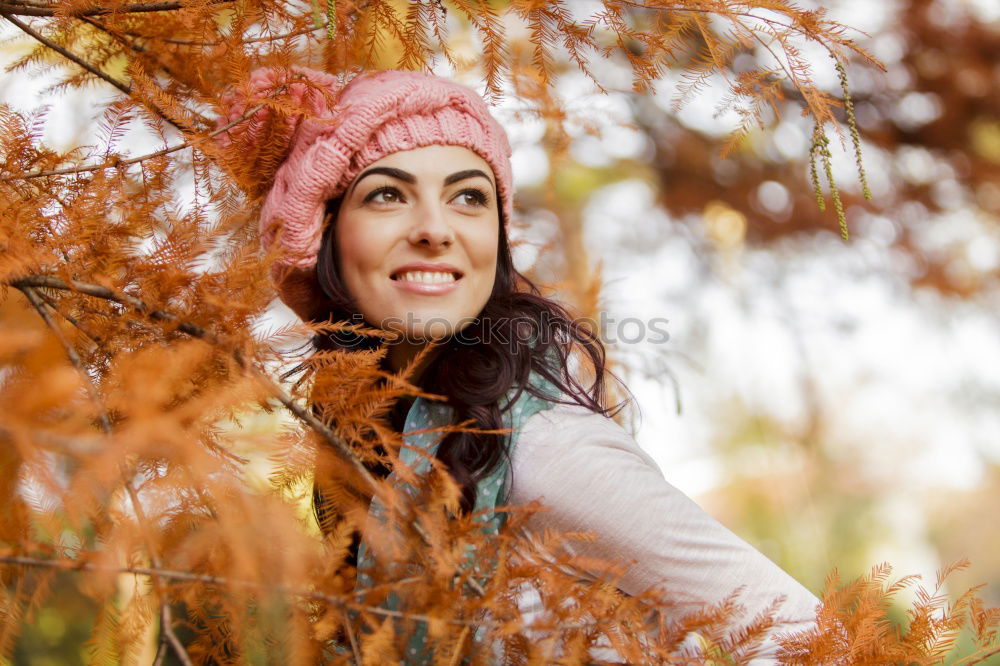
484, 256
484, 250
360, 251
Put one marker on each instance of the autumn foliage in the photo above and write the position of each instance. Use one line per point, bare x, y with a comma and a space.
133, 363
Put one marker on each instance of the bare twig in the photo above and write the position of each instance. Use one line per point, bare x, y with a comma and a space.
457, 656
161, 654
978, 657
74, 357
348, 601
7, 14
97, 291
252, 40
353, 640
29, 9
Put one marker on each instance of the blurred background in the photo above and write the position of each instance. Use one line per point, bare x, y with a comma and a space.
835, 403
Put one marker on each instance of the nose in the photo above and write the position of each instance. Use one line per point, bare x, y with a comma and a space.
431, 227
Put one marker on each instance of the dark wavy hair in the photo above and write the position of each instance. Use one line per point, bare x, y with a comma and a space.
518, 332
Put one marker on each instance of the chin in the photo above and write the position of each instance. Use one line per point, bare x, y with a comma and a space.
437, 332
423, 327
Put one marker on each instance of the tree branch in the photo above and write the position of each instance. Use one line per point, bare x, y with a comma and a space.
161, 654
306, 416
140, 158
123, 87
135, 48
252, 40
343, 602
978, 657
166, 620
167, 634
353, 640
70, 318
74, 357
97, 291
26, 9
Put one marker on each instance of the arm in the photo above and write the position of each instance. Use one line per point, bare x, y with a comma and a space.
595, 478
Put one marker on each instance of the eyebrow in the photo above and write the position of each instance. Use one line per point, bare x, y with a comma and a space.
468, 173
408, 177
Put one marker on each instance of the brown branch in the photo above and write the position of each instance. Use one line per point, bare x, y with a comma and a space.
161, 654
70, 318
74, 357
791, 77
4, 12
167, 629
97, 291
142, 51
166, 620
252, 40
27, 9
303, 414
121, 86
343, 602
978, 657
72, 446
824, 39
135, 48
140, 158
353, 640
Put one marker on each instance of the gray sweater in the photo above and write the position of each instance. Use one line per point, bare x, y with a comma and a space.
595, 478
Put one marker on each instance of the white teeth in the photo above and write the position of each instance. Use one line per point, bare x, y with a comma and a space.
435, 277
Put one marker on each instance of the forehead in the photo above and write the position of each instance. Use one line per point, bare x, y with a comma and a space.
434, 162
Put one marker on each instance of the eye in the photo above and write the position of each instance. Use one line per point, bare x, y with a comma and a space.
384, 195
471, 197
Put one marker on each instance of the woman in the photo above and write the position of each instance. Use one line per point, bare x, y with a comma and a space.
393, 207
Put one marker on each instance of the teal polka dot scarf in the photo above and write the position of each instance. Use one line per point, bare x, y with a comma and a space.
419, 448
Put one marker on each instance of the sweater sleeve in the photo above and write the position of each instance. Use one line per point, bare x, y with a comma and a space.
594, 477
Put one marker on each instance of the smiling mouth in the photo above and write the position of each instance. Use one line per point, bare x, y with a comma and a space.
427, 277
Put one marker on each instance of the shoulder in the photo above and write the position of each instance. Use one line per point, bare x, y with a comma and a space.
564, 453
570, 430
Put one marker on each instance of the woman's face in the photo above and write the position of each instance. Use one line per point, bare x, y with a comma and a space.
417, 240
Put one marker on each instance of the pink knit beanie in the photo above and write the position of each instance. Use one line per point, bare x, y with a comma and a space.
344, 129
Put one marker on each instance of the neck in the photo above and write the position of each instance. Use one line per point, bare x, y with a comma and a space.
403, 353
